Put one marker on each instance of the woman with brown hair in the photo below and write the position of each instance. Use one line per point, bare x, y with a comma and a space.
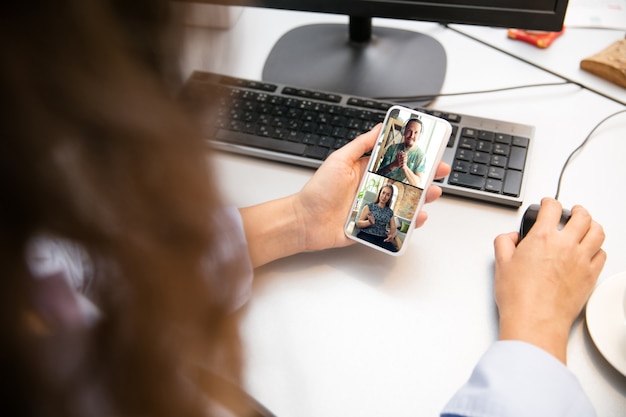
106, 190
376, 221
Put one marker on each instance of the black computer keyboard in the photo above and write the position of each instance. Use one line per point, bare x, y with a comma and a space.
489, 158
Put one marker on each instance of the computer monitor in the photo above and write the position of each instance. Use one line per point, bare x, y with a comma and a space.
374, 61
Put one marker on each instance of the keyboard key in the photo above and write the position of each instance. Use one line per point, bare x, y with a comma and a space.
493, 186
484, 146
461, 166
467, 143
500, 149
499, 161
512, 183
503, 138
486, 135
520, 141
497, 173
517, 158
478, 169
468, 132
467, 180
240, 138
481, 157
464, 155
316, 152
326, 142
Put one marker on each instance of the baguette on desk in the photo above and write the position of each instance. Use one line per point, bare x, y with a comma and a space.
610, 63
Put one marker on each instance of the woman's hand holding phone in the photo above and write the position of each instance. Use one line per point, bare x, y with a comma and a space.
313, 219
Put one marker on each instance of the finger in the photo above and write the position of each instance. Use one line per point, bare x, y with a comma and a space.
549, 214
597, 262
593, 239
421, 218
504, 246
432, 193
443, 169
578, 224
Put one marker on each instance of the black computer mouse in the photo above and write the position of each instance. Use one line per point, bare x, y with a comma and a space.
530, 216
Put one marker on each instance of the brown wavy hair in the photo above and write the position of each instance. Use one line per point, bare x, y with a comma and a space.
96, 150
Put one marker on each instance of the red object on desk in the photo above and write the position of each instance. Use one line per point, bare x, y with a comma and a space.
539, 39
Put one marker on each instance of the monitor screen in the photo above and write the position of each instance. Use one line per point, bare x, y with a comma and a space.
376, 61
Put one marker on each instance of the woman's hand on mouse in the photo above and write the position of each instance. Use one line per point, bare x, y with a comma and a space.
542, 284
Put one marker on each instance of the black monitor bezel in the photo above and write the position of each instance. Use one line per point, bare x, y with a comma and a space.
516, 14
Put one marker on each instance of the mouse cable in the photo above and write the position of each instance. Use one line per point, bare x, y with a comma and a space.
582, 144
402, 99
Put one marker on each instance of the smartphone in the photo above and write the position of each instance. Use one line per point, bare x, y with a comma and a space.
402, 166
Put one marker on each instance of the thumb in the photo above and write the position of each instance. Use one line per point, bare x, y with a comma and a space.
504, 246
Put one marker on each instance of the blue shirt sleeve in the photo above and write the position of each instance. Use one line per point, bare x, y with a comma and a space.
517, 379
63, 272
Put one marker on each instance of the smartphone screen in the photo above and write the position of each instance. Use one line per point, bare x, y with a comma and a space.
401, 167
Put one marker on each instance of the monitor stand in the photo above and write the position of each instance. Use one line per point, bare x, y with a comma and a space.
374, 62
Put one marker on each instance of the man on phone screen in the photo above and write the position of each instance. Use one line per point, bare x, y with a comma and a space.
405, 161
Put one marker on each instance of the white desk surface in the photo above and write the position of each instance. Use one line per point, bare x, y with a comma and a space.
351, 332
562, 57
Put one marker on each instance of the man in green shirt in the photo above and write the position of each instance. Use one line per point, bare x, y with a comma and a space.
405, 161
